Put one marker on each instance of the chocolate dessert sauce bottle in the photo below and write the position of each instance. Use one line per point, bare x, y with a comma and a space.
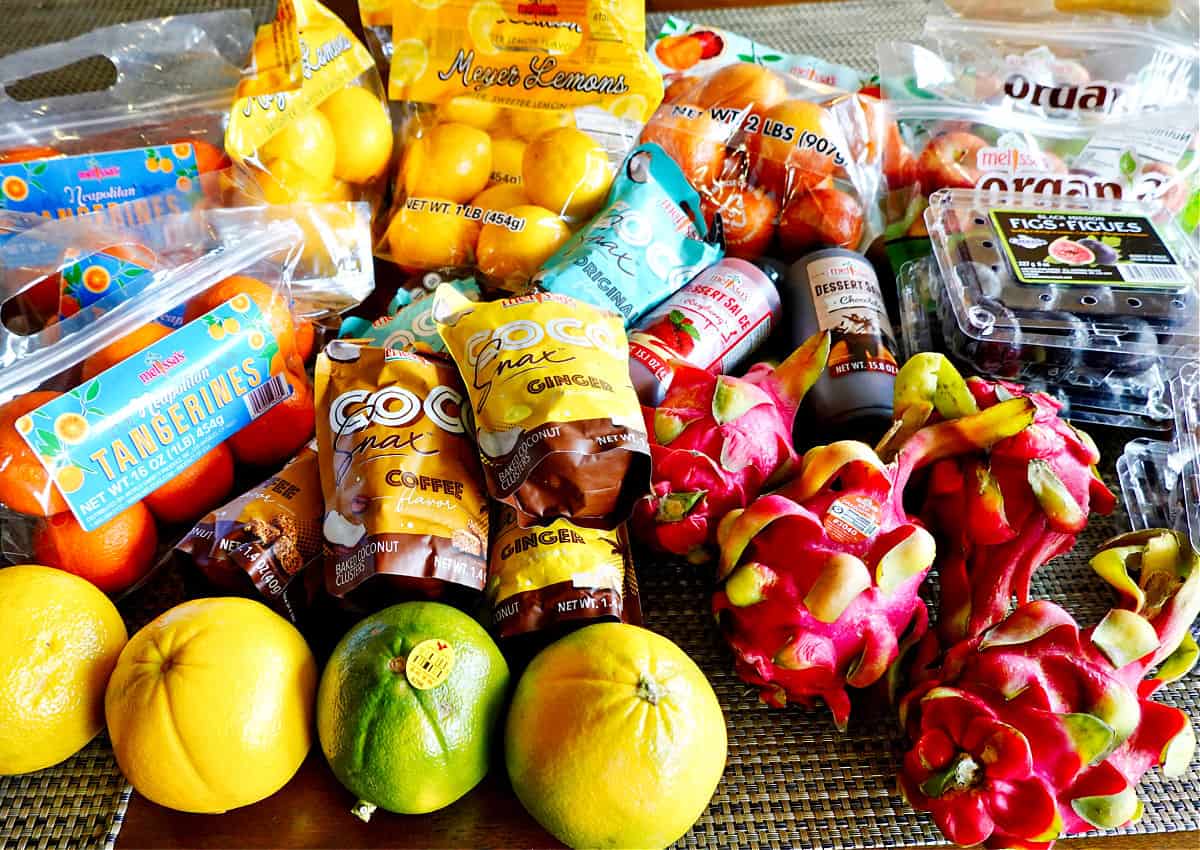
714, 322
837, 290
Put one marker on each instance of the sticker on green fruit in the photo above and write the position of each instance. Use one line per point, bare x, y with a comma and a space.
119, 436
1086, 249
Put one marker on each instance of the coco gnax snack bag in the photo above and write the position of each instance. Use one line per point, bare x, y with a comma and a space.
406, 510
557, 421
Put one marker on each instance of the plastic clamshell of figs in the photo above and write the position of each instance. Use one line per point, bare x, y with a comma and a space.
1066, 283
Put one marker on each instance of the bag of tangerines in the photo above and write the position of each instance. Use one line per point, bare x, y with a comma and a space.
176, 374
327, 139
790, 164
516, 118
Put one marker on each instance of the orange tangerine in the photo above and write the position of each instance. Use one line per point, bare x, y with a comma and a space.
208, 157
305, 339
240, 290
784, 165
196, 490
112, 556
28, 153
24, 484
279, 433
125, 347
451, 161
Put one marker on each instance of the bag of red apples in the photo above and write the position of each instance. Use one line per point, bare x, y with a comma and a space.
1089, 112
789, 164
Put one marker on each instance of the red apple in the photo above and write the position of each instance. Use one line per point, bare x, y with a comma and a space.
824, 216
948, 161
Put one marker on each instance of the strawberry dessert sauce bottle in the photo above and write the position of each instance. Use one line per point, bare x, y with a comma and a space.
837, 290
717, 319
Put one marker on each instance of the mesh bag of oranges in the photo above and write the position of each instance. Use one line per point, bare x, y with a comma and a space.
148, 144
516, 116
330, 138
125, 421
789, 164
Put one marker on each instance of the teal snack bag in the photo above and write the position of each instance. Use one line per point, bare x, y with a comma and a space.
648, 241
409, 323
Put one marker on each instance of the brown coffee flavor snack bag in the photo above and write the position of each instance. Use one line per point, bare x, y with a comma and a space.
406, 511
262, 543
556, 576
557, 421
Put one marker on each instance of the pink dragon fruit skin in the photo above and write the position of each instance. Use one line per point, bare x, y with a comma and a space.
819, 580
716, 441
998, 517
1037, 729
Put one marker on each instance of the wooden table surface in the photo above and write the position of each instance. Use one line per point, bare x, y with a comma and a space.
313, 810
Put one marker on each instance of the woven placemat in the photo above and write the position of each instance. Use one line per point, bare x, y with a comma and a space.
792, 780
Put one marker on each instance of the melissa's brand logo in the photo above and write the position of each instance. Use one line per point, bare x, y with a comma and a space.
1096, 96
159, 366
96, 171
1012, 160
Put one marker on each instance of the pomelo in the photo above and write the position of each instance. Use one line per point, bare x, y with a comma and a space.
614, 739
408, 705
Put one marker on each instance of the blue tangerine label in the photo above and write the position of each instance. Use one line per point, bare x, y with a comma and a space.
122, 434
161, 179
101, 281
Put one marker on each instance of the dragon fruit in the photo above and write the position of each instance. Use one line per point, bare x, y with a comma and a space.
1037, 729
819, 580
716, 441
1000, 515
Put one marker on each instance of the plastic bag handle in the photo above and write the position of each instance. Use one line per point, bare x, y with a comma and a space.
131, 41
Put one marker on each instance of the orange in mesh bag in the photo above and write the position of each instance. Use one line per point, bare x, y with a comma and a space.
517, 116
790, 165
406, 510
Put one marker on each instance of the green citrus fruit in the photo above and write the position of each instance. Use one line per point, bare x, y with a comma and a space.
407, 707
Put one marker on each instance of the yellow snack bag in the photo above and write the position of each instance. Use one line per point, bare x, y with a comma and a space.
560, 55
328, 140
557, 421
406, 512
557, 576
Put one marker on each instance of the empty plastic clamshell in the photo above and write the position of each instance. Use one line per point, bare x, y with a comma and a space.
1080, 292
1185, 392
1152, 484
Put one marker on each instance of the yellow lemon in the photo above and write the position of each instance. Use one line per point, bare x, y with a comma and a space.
362, 131
567, 171
410, 58
501, 196
631, 107
70, 427
482, 21
511, 258
615, 739
59, 640
531, 123
508, 156
468, 110
307, 142
423, 239
285, 182
452, 161
210, 706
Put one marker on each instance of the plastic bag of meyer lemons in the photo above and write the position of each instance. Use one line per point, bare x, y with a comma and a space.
517, 117
328, 140
120, 426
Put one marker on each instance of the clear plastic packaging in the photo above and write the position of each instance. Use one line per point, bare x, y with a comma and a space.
156, 131
1185, 391
117, 424
790, 165
1151, 485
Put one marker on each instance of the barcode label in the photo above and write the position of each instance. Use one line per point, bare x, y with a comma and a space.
261, 399
1151, 273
